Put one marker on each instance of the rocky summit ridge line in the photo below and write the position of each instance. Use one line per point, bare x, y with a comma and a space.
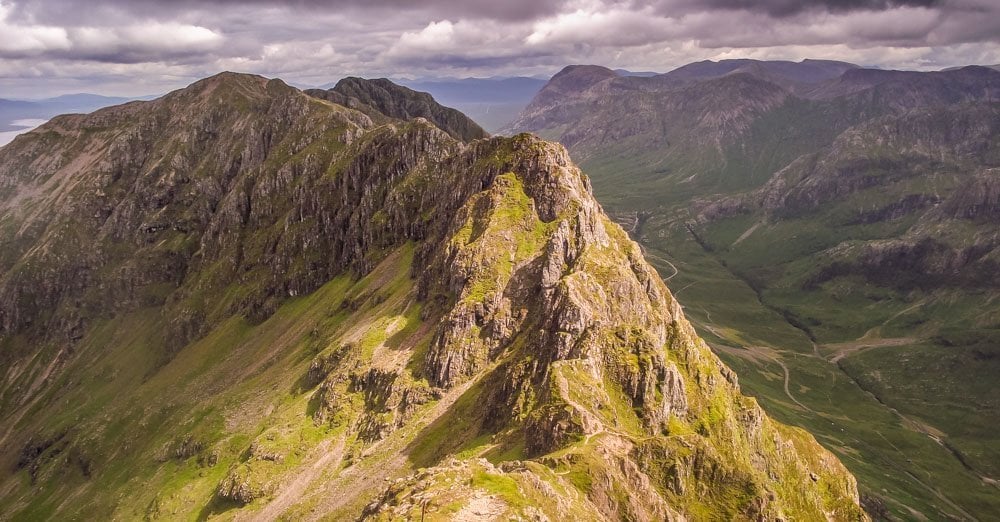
240, 301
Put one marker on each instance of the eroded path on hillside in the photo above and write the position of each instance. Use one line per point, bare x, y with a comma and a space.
330, 455
360, 481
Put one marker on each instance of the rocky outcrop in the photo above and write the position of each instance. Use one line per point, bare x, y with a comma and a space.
977, 200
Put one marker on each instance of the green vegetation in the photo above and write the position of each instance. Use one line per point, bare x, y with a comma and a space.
509, 225
504, 487
182, 447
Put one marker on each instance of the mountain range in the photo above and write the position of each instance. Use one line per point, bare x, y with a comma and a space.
833, 233
242, 300
18, 116
11, 110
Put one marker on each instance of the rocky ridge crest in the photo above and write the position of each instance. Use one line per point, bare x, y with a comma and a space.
474, 283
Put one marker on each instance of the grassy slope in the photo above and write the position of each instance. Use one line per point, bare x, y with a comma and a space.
200, 412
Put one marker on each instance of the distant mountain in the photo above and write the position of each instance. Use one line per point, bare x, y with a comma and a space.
11, 110
239, 301
995, 67
479, 90
785, 73
852, 213
382, 98
932, 174
626, 72
900, 90
84, 100
491, 102
568, 85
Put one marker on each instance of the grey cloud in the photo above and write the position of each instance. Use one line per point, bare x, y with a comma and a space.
782, 8
62, 11
169, 43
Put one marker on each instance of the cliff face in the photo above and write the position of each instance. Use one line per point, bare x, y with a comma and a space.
253, 302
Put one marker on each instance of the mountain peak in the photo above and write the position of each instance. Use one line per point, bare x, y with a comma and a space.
236, 88
579, 77
571, 81
381, 97
786, 73
229, 79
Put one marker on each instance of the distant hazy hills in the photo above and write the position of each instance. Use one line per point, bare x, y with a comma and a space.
11, 110
792, 73
491, 102
18, 116
996, 66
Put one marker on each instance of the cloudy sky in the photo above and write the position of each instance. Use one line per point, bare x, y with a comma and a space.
136, 47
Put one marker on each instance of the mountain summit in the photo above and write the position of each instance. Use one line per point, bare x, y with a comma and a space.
241, 300
382, 98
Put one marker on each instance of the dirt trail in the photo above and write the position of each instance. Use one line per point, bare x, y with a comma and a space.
841, 350
747, 234
591, 424
649, 255
757, 353
294, 490
354, 481
481, 508
784, 368
683, 288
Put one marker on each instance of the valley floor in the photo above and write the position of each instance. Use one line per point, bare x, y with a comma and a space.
908, 453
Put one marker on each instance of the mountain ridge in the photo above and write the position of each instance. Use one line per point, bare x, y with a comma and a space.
257, 302
382, 97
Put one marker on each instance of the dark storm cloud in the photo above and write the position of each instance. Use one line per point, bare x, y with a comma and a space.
782, 8
510, 10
